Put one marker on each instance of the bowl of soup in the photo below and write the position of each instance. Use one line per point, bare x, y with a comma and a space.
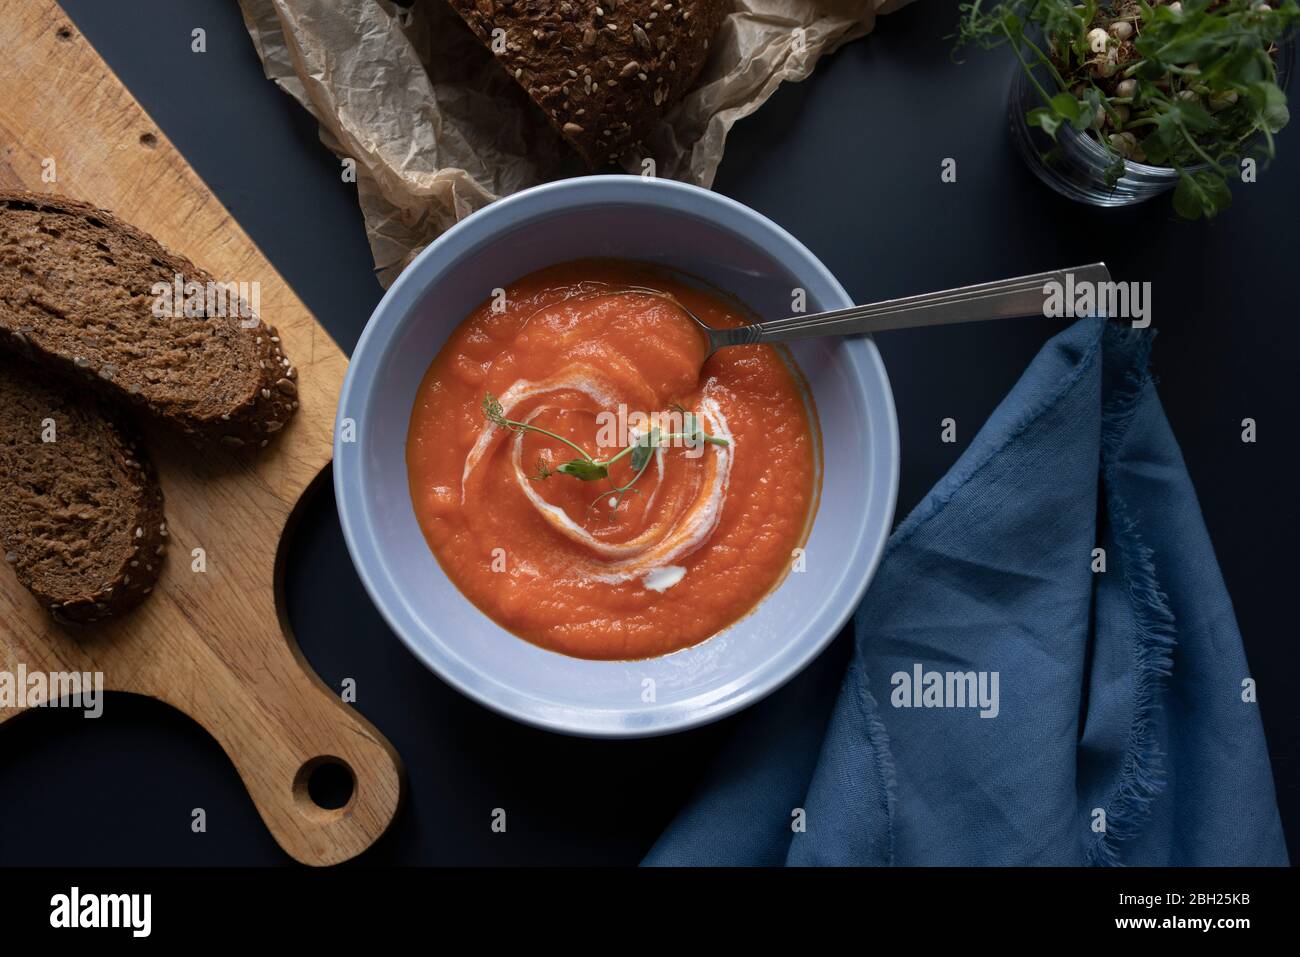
568, 510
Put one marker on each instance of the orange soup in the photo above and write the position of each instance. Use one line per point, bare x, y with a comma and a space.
591, 482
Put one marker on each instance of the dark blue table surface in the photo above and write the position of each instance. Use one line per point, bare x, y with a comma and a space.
849, 162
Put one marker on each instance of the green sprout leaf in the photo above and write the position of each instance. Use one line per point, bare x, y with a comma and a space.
1200, 193
584, 469
644, 449
1067, 108
1047, 120
1270, 102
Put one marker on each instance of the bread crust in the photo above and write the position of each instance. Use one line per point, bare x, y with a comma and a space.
52, 310
81, 510
603, 71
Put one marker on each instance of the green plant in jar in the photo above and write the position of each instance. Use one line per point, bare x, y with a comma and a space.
1189, 84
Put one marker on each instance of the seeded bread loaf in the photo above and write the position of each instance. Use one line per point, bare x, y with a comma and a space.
80, 293
602, 70
81, 511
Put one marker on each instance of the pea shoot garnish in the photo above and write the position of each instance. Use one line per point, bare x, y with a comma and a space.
589, 468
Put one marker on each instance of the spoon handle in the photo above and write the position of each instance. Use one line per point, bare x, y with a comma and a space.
1004, 299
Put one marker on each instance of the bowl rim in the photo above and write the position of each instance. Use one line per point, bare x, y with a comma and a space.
464, 237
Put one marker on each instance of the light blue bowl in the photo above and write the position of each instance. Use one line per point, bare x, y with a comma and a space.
627, 217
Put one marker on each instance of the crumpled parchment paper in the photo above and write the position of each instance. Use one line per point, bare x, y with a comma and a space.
438, 130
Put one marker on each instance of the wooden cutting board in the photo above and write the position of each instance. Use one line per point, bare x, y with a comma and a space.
213, 643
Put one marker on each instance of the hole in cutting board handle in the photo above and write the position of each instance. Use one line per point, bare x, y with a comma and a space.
324, 787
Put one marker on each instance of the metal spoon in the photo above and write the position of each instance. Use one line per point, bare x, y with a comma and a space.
1004, 299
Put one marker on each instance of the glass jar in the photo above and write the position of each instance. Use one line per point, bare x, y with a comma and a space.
1074, 164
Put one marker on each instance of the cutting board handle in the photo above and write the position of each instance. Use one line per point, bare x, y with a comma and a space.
279, 742
281, 726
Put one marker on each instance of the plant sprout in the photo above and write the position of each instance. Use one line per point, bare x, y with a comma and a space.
1189, 84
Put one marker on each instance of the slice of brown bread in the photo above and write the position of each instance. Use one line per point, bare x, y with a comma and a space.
79, 290
81, 516
602, 70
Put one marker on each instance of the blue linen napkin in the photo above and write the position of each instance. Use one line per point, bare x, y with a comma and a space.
1122, 730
